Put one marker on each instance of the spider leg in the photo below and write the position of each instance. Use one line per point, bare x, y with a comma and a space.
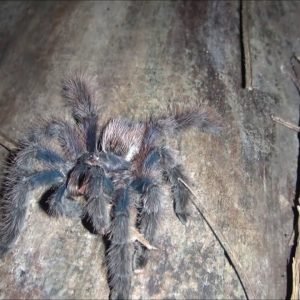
119, 252
59, 204
13, 206
99, 195
204, 119
180, 194
80, 96
148, 185
37, 153
70, 140
87, 181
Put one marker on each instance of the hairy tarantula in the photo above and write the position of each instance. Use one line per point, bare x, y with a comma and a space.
111, 174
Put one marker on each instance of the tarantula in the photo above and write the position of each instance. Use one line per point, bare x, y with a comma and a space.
111, 174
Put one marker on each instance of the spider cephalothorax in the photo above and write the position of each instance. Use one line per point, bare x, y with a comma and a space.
111, 174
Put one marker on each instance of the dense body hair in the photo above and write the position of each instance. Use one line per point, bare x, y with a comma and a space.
111, 174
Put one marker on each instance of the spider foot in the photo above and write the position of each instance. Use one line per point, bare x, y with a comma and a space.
104, 231
140, 259
117, 295
182, 217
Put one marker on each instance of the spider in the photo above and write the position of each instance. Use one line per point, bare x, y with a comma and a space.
111, 174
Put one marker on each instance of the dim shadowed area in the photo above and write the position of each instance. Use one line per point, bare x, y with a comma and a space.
147, 55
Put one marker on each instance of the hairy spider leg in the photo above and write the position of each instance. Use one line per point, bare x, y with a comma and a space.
203, 119
80, 97
14, 205
60, 205
148, 186
119, 256
20, 180
30, 154
90, 182
70, 140
172, 172
90, 127
60, 199
99, 193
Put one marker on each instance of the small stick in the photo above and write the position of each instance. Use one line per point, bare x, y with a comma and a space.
242, 276
285, 123
246, 53
137, 236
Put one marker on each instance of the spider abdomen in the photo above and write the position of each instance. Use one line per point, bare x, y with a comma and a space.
123, 138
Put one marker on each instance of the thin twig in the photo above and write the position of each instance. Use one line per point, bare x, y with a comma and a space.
6, 142
246, 53
137, 236
242, 276
285, 123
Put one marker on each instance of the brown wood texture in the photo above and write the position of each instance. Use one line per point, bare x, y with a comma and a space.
146, 56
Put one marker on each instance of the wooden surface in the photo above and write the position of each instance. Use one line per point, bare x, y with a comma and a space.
147, 55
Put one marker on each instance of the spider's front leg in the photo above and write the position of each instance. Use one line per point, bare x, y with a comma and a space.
99, 192
119, 253
59, 203
148, 186
79, 93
